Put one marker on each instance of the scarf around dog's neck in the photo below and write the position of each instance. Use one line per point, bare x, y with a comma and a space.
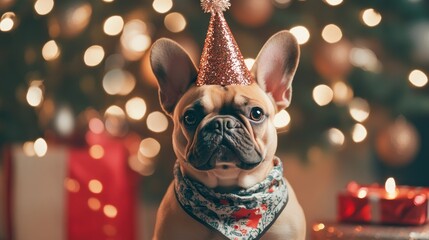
245, 214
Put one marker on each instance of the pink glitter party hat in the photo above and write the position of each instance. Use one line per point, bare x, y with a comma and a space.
221, 61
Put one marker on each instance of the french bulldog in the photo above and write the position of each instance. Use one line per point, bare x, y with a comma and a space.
224, 137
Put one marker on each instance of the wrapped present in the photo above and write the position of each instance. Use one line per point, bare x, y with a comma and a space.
334, 231
401, 205
71, 193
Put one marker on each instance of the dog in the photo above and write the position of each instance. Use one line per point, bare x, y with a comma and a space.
225, 141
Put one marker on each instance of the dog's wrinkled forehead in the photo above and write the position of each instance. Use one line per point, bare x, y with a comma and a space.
225, 99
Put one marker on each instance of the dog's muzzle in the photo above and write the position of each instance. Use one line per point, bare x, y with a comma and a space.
224, 139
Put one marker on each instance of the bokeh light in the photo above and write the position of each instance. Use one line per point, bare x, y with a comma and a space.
162, 6
135, 108
40, 147
96, 126
149, 147
93, 55
113, 25
96, 151
331, 33
34, 95
135, 39
301, 34
418, 78
371, 17
50, 51
94, 204
282, 119
115, 111
110, 211
359, 109
118, 82
175, 22
323, 95
64, 121
95, 186
71, 185
342, 93
7, 21
157, 122
28, 149
336, 137
359, 133
333, 2
364, 58
43, 7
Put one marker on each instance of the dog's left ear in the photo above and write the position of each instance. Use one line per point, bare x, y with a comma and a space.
275, 67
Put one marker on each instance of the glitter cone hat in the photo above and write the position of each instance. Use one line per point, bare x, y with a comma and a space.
221, 61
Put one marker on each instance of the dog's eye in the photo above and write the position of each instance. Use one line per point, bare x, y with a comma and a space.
190, 117
256, 114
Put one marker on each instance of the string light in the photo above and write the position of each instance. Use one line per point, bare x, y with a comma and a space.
359, 133
370, 17
175, 22
93, 55
7, 21
162, 6
282, 119
157, 122
418, 78
40, 147
135, 108
301, 34
323, 95
359, 109
43, 7
113, 25
50, 50
331, 33
149, 147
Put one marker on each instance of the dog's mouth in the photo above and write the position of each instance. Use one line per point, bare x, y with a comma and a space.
222, 143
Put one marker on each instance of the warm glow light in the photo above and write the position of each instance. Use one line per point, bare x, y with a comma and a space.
323, 95
71, 185
40, 147
331, 33
249, 62
95, 186
43, 7
371, 17
34, 95
362, 193
96, 126
93, 55
135, 39
418, 78
157, 122
94, 204
118, 82
281, 119
64, 121
162, 6
301, 34
342, 92
333, 2
113, 25
110, 211
149, 147
28, 148
336, 137
96, 151
135, 108
115, 111
142, 165
359, 109
390, 187
7, 21
359, 133
50, 51
175, 22
365, 59
318, 227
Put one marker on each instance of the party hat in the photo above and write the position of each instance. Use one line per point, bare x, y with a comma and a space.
221, 61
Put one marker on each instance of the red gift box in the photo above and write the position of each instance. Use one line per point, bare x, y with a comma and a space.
371, 204
71, 193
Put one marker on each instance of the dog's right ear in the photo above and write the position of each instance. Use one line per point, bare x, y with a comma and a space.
174, 71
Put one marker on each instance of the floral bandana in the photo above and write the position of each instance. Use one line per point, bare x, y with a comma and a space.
245, 214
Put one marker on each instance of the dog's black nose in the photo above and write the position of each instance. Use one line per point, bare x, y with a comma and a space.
221, 124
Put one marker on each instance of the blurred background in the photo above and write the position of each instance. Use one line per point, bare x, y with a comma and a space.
75, 71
